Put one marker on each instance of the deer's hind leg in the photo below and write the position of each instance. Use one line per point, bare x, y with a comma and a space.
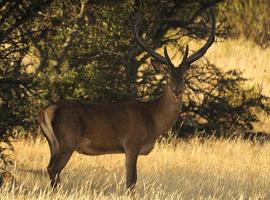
57, 165
59, 154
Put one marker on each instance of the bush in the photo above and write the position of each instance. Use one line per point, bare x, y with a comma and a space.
249, 18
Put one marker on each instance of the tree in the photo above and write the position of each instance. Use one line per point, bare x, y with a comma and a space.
252, 15
53, 50
18, 39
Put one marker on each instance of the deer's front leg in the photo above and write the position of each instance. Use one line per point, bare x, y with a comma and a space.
131, 170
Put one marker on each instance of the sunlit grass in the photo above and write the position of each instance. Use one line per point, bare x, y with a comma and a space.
242, 54
246, 56
253, 60
214, 169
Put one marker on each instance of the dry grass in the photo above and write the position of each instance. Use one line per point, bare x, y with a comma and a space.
215, 169
247, 57
242, 54
253, 60
193, 170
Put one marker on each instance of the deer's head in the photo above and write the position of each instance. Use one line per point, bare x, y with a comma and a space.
163, 64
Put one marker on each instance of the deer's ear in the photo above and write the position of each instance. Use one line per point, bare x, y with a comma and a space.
159, 68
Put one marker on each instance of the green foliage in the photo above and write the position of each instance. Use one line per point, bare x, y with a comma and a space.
249, 18
89, 53
221, 104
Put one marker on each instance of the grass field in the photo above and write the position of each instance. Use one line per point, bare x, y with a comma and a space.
242, 54
214, 169
252, 60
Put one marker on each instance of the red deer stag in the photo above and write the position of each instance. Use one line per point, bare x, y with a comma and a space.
128, 127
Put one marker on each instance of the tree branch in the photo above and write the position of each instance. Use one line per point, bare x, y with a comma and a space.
184, 24
43, 54
31, 11
68, 42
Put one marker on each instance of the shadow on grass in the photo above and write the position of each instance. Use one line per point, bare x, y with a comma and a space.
36, 172
72, 182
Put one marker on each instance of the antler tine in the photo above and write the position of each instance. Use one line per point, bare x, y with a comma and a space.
169, 62
185, 56
198, 54
151, 52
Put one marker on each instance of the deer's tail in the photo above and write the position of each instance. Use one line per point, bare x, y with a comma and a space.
45, 118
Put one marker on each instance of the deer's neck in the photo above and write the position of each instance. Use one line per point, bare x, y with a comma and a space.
166, 110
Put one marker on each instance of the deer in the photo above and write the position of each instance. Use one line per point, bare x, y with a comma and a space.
130, 127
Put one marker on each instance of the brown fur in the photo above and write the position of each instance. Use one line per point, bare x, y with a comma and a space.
94, 129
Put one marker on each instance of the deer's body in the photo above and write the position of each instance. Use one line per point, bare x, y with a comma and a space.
127, 127
95, 129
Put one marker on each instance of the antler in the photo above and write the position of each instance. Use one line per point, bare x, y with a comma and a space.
186, 60
198, 54
163, 60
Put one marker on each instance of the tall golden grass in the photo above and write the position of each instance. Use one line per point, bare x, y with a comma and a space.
213, 169
246, 56
250, 58
243, 55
